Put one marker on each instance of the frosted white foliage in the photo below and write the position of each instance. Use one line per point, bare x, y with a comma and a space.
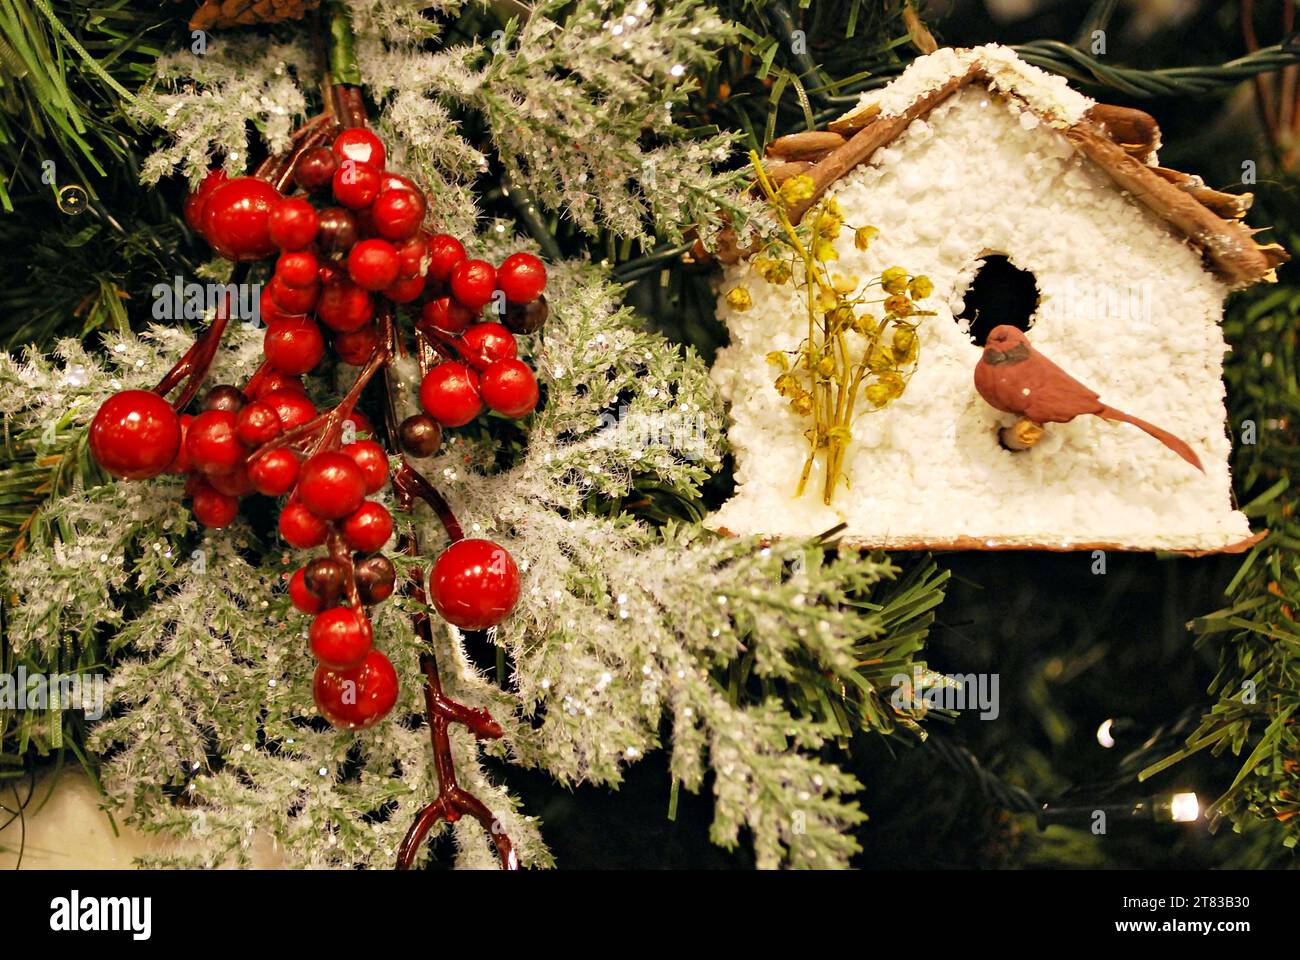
212, 737
1125, 307
207, 100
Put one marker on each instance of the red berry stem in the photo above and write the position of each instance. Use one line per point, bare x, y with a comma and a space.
341, 553
409, 483
326, 428
255, 381
193, 366
278, 168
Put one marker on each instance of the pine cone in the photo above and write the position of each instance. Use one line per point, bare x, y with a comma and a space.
238, 13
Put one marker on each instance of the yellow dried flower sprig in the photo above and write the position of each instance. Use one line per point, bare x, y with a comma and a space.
823, 378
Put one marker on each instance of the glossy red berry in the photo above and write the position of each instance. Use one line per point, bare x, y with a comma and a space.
135, 435
405, 290
292, 405
274, 473
344, 307
269, 312
509, 387
389, 180
211, 507
373, 461
446, 314
300, 527
236, 218
315, 169
360, 424
293, 346
355, 184
302, 598
338, 231
445, 251
357, 346
233, 483
211, 442
412, 257
293, 223
474, 584
361, 145
397, 214
450, 394
257, 423
368, 527
358, 698
485, 343
298, 268
331, 485
473, 282
272, 380
373, 264
294, 301
196, 202
521, 277
340, 637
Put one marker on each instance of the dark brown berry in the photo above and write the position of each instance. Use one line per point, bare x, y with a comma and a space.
315, 169
525, 318
375, 579
337, 231
420, 434
225, 397
326, 578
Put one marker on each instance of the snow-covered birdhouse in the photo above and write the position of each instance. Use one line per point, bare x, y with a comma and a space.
1027, 204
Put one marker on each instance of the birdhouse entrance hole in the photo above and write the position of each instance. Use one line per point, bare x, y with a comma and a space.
1000, 293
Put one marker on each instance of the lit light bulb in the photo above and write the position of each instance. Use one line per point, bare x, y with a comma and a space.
1103, 734
1185, 808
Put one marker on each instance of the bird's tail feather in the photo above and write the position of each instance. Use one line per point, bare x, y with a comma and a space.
1164, 436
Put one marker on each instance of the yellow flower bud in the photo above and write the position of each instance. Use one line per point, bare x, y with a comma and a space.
891, 382
863, 236
920, 288
894, 280
787, 385
777, 358
898, 305
879, 358
864, 324
826, 366
905, 344
796, 190
773, 271
878, 395
824, 251
738, 298
843, 284
802, 405
841, 318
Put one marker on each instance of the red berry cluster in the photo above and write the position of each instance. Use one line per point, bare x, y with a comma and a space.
334, 261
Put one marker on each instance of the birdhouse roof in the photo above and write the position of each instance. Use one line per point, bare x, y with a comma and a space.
1121, 141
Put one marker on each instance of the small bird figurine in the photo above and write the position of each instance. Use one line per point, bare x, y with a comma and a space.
1015, 378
